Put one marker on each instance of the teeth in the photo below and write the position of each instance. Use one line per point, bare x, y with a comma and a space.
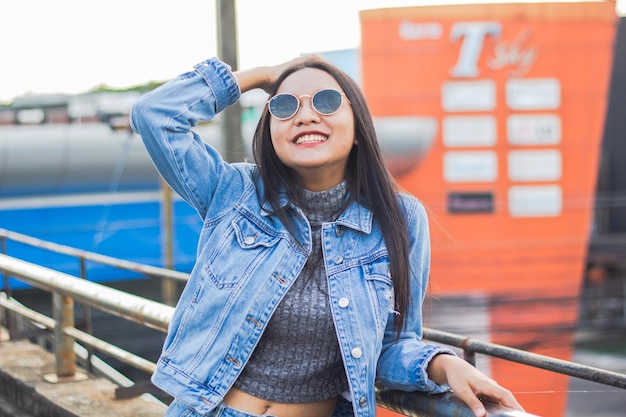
311, 138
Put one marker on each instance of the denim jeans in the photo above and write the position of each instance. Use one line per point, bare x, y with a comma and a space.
178, 409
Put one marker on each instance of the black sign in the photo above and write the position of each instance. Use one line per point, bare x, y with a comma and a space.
470, 203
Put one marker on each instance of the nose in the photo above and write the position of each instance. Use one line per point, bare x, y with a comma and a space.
306, 113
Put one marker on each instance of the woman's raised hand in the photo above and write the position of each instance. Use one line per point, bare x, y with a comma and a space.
264, 77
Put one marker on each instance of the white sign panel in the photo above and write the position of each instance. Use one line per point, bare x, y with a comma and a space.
533, 129
468, 95
419, 31
533, 94
535, 201
470, 166
468, 131
544, 165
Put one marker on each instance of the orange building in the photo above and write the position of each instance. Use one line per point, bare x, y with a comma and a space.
509, 102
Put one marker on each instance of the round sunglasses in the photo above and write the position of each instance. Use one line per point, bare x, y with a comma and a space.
325, 102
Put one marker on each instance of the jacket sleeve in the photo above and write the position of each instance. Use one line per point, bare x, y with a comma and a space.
404, 360
165, 117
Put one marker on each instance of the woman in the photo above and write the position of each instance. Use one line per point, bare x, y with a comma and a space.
311, 268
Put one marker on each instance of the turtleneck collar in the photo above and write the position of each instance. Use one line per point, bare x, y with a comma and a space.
323, 205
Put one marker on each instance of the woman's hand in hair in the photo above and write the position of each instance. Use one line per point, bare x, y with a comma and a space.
468, 383
264, 77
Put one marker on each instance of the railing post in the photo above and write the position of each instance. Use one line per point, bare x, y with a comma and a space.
10, 324
63, 314
470, 357
87, 324
468, 354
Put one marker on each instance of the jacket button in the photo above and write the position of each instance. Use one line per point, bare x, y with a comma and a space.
338, 259
339, 231
357, 352
249, 240
344, 302
363, 402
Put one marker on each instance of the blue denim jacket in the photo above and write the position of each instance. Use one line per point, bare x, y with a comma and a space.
246, 261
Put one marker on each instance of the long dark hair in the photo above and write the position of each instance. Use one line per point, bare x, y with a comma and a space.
368, 181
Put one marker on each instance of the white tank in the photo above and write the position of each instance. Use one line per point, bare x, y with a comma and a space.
59, 158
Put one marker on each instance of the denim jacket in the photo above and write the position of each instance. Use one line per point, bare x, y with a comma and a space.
247, 260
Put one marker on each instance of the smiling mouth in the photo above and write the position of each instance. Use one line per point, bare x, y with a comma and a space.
311, 139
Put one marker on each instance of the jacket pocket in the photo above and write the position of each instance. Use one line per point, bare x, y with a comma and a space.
240, 252
380, 287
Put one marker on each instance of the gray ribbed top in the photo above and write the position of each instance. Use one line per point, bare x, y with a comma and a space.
298, 358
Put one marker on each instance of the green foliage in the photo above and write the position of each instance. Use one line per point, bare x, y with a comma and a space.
142, 88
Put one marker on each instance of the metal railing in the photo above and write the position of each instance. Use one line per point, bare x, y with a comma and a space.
67, 289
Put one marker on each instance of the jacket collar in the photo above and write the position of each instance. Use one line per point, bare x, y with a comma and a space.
355, 216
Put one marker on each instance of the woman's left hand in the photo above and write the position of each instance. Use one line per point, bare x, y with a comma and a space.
468, 383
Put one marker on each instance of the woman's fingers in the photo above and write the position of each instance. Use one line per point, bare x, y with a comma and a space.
470, 385
467, 395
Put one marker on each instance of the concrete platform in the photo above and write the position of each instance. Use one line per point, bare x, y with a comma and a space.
25, 392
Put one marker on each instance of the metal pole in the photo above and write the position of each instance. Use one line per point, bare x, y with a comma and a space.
63, 312
7, 289
138, 309
169, 288
148, 270
63, 307
230, 119
589, 373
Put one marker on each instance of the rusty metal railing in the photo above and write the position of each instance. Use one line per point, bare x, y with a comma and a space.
83, 255
67, 289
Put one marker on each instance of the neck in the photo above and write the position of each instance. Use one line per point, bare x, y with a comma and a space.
319, 180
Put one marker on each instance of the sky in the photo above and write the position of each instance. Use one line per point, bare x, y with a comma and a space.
72, 46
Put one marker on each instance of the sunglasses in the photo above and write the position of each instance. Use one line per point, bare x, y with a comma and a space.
325, 102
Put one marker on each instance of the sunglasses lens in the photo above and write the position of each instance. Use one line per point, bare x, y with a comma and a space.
283, 106
327, 101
